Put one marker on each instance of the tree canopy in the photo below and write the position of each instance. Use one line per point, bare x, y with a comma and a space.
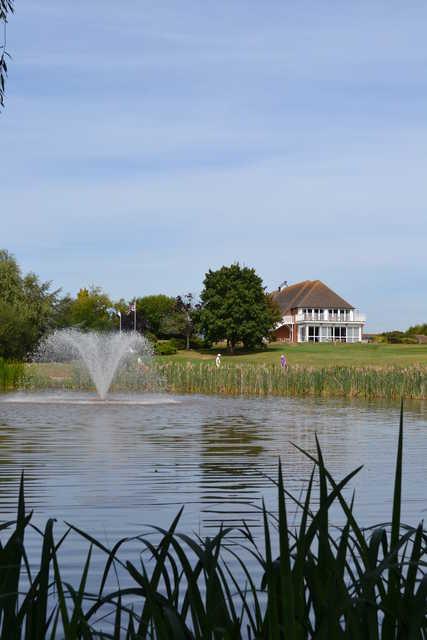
153, 311
181, 322
27, 308
418, 329
235, 307
91, 310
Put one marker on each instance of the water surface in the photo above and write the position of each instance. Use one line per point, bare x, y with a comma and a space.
112, 467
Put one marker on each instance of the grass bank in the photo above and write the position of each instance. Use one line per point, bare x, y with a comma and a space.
319, 355
318, 580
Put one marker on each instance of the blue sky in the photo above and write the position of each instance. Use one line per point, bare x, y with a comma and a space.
143, 144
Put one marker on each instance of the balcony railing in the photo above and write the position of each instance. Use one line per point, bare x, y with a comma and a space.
356, 316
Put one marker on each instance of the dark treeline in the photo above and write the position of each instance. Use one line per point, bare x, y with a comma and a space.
30, 308
413, 335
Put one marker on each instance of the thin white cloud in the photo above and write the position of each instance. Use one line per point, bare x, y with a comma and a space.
146, 145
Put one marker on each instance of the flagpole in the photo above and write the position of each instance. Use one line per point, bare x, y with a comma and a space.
134, 316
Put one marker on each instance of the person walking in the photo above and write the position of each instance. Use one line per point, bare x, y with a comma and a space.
218, 361
283, 361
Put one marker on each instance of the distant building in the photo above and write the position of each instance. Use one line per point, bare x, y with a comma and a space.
312, 312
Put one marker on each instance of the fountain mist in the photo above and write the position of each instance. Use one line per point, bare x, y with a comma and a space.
102, 353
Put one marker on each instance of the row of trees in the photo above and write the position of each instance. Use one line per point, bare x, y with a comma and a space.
233, 307
410, 336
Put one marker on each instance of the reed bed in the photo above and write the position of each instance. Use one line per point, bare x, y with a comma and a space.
390, 383
263, 380
12, 375
322, 582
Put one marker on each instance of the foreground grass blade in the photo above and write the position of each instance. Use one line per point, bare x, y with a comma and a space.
392, 600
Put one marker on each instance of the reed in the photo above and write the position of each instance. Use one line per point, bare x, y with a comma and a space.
350, 382
11, 375
323, 582
389, 383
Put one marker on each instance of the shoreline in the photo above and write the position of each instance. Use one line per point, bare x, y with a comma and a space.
368, 382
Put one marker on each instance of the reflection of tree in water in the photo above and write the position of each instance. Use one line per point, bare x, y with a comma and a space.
231, 468
231, 448
14, 460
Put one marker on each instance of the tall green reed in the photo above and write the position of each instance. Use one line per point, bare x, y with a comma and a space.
244, 379
11, 375
390, 383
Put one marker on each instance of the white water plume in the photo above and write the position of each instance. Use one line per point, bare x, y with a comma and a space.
102, 353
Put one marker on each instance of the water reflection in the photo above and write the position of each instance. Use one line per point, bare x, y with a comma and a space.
230, 470
112, 468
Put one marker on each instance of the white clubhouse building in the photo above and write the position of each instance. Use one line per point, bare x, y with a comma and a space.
312, 312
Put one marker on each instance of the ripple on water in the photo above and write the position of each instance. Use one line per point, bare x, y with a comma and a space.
113, 467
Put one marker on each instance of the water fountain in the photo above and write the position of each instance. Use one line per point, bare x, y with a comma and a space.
103, 354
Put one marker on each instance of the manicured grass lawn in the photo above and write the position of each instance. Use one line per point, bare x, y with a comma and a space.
317, 355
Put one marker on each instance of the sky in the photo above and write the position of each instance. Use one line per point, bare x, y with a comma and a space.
144, 143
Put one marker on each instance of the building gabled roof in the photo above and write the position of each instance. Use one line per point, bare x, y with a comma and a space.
312, 294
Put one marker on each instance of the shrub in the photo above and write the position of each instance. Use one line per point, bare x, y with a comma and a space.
180, 343
197, 342
151, 337
165, 348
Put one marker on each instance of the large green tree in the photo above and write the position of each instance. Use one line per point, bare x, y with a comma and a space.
181, 322
152, 311
235, 307
92, 309
27, 309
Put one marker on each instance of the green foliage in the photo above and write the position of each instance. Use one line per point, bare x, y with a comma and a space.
182, 320
153, 310
10, 278
179, 343
235, 307
165, 348
91, 310
62, 314
271, 380
399, 337
196, 342
418, 330
12, 375
326, 581
405, 337
151, 337
27, 309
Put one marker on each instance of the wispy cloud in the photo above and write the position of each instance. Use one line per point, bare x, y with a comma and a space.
147, 145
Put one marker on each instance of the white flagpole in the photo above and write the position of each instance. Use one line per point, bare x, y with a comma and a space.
134, 316
119, 313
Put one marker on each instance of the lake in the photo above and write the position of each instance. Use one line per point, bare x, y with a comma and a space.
112, 468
